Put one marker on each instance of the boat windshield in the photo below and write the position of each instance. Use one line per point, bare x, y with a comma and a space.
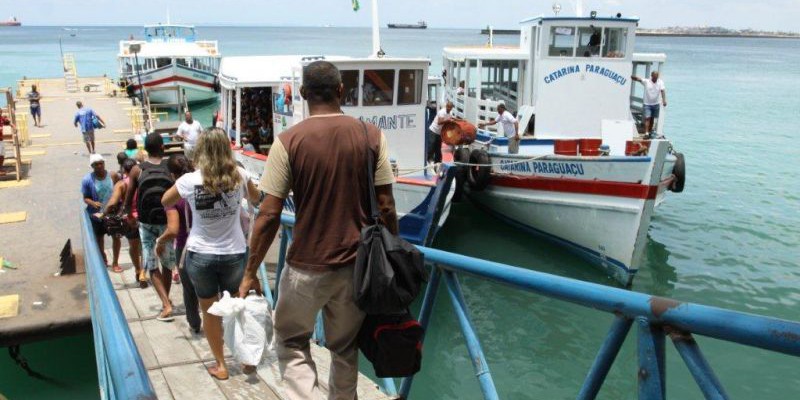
169, 32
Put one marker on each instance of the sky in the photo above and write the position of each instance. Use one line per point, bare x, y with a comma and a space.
737, 14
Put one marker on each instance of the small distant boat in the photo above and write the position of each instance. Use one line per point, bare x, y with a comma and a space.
13, 21
418, 25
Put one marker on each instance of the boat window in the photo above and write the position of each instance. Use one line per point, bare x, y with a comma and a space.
562, 41
616, 42
589, 39
409, 86
182, 61
378, 87
350, 82
500, 81
163, 62
472, 79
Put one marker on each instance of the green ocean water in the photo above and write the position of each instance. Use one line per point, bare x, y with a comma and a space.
731, 239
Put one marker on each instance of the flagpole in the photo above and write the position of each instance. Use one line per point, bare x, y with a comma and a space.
376, 35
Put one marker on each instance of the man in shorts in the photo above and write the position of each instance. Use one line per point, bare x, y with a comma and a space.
655, 96
34, 99
84, 119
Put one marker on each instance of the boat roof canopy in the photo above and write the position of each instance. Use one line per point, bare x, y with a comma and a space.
483, 52
258, 71
542, 18
170, 49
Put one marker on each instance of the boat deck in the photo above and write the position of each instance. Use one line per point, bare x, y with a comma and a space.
45, 201
176, 359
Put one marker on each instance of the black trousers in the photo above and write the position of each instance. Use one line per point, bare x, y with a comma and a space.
435, 148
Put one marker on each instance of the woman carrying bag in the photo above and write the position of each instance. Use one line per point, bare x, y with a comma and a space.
215, 250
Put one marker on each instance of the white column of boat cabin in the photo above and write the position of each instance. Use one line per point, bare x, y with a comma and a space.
228, 117
238, 116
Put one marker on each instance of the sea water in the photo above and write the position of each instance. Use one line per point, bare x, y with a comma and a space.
731, 239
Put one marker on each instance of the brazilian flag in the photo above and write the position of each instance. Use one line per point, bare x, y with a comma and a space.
356, 6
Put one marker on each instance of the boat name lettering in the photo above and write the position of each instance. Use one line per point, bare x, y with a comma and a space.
543, 167
562, 72
607, 73
399, 121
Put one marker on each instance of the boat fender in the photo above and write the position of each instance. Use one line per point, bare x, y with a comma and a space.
480, 173
217, 86
679, 171
462, 156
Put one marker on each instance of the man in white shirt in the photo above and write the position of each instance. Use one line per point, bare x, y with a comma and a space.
189, 130
435, 149
654, 96
510, 127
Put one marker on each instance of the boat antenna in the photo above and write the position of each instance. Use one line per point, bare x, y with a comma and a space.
168, 21
377, 51
579, 8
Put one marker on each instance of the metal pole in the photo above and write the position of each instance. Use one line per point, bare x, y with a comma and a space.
424, 318
473, 343
703, 374
139, 77
61, 50
651, 361
605, 357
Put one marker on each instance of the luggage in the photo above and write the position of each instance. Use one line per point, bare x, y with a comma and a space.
393, 343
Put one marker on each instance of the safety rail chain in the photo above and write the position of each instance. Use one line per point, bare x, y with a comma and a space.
655, 318
120, 370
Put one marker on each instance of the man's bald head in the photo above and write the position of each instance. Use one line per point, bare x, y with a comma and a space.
322, 82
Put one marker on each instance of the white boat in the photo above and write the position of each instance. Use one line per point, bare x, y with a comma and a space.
169, 59
391, 93
567, 91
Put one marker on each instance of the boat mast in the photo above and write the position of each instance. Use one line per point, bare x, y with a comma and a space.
579, 8
376, 34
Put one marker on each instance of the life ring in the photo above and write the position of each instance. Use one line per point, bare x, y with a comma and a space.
462, 156
480, 173
679, 171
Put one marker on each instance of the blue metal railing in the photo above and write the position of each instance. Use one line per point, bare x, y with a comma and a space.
656, 318
120, 370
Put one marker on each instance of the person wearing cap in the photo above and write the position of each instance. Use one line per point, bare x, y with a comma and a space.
97, 187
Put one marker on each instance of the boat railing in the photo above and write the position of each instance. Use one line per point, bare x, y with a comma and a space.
120, 370
655, 319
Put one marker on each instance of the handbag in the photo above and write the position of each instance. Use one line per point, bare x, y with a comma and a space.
389, 271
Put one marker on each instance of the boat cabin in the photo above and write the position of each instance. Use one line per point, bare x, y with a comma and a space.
167, 45
264, 92
570, 77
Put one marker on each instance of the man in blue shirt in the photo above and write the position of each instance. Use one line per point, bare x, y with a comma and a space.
84, 119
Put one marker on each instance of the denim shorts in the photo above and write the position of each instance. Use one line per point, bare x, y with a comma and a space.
88, 136
149, 233
36, 111
651, 110
212, 274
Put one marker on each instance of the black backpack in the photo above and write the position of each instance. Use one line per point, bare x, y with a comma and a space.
154, 181
392, 343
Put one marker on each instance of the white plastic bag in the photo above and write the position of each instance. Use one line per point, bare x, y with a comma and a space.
246, 325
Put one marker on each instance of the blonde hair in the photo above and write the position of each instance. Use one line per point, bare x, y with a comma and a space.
214, 159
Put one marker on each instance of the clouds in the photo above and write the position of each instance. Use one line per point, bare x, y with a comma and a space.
766, 14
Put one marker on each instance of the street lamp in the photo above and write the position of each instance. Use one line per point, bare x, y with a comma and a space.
135, 49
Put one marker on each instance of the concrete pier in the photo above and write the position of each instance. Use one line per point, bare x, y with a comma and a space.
49, 197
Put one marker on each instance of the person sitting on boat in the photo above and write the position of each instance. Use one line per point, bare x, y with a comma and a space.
189, 130
435, 149
655, 96
510, 127
461, 86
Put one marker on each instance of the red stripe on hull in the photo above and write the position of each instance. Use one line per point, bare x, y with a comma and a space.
602, 188
175, 79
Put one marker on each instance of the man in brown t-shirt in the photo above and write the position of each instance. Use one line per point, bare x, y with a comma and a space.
323, 162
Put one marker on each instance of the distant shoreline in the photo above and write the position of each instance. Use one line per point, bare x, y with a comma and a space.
719, 35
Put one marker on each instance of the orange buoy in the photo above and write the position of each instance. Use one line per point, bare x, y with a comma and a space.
566, 147
590, 147
637, 147
458, 131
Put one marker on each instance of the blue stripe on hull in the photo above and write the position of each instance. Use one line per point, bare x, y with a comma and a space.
617, 269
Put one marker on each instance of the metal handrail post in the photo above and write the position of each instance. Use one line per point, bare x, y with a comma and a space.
651, 374
701, 372
424, 318
471, 337
605, 358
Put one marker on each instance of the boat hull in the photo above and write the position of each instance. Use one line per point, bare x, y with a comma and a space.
597, 207
196, 85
